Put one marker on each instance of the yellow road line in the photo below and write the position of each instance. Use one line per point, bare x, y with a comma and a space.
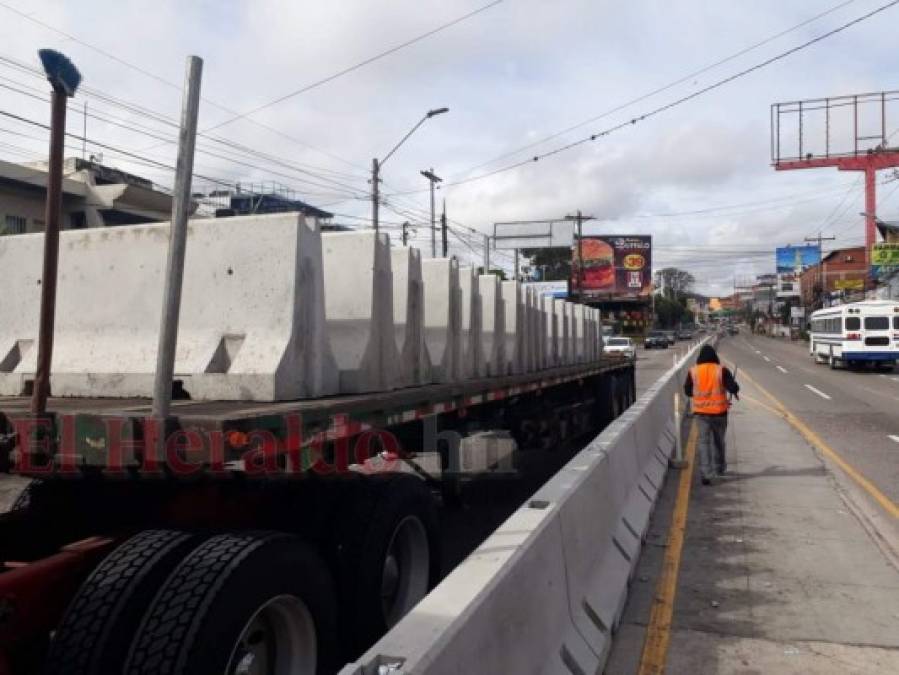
888, 505
658, 632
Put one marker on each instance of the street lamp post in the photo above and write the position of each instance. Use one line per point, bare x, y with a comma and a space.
376, 164
432, 179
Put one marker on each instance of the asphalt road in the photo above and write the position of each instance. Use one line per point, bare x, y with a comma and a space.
653, 363
855, 412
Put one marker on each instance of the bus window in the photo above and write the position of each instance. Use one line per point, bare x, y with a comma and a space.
877, 323
853, 323
896, 323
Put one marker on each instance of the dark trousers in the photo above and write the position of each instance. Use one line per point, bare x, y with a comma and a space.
712, 459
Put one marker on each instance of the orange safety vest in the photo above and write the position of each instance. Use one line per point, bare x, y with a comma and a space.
709, 395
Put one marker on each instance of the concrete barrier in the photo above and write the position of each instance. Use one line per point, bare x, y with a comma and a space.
441, 317
563, 330
471, 318
551, 322
408, 317
359, 310
513, 306
545, 592
579, 334
493, 332
252, 315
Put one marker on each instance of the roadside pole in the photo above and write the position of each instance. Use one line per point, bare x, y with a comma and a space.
64, 78
174, 268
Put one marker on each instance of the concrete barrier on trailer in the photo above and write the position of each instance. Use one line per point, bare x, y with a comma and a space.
359, 310
408, 317
471, 317
545, 592
252, 322
514, 326
493, 332
551, 359
579, 323
441, 317
563, 328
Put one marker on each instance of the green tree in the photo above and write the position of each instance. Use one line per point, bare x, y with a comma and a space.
549, 264
675, 283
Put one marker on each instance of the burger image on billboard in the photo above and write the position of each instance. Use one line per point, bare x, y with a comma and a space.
599, 264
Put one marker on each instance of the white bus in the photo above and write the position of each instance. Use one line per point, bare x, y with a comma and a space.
855, 334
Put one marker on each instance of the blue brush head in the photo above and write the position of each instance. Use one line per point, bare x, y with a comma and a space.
61, 72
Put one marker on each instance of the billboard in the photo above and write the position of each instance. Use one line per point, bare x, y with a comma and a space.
614, 266
884, 259
791, 262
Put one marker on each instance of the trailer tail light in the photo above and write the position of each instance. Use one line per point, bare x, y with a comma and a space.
853, 336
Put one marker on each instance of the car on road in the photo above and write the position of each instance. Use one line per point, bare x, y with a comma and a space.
622, 346
685, 334
655, 340
671, 337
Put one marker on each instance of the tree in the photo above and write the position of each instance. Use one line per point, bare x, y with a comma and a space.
674, 282
549, 264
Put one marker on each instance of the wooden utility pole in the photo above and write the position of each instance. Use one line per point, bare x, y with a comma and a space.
174, 266
486, 254
443, 230
375, 191
405, 233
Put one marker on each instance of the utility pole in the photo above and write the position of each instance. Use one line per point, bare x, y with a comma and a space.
84, 134
432, 180
579, 219
174, 266
486, 254
375, 191
516, 265
405, 233
443, 230
64, 78
822, 280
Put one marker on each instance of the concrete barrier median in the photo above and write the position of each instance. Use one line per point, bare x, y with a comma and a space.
545, 592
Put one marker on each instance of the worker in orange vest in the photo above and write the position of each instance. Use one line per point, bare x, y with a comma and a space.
708, 383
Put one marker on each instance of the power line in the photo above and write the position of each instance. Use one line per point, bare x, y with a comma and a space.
679, 101
666, 87
361, 64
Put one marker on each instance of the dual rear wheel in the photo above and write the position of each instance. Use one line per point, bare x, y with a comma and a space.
254, 603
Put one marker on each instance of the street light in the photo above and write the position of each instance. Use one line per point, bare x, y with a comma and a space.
64, 78
377, 164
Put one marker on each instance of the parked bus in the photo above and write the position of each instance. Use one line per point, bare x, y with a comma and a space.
855, 334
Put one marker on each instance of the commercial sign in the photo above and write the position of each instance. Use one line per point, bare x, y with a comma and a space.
617, 266
849, 284
791, 262
884, 259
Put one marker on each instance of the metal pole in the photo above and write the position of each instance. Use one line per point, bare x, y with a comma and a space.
870, 218
174, 267
405, 233
580, 258
515, 271
443, 230
486, 254
41, 389
375, 170
84, 134
433, 219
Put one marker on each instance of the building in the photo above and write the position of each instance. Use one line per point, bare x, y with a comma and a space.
840, 275
250, 199
93, 195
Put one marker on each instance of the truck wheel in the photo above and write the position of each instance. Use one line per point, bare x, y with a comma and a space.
101, 620
388, 556
240, 603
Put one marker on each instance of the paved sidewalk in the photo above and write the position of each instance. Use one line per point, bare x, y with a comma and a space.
778, 574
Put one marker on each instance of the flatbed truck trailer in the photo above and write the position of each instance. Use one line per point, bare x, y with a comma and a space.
245, 537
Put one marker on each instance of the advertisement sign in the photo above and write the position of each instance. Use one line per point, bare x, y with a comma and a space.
849, 284
797, 312
791, 262
884, 259
614, 265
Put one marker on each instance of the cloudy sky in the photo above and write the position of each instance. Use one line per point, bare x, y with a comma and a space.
697, 177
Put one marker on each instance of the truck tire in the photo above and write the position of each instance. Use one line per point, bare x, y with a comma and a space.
240, 602
388, 556
97, 628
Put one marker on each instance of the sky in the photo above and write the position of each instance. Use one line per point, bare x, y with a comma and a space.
697, 177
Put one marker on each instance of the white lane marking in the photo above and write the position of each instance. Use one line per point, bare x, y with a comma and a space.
782, 369
895, 379
893, 438
757, 351
767, 359
817, 391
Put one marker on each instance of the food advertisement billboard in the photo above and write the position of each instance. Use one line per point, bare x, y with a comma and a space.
791, 262
615, 266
